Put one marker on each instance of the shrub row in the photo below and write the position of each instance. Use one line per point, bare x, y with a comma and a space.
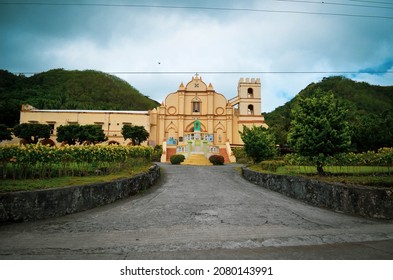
383, 157
32, 161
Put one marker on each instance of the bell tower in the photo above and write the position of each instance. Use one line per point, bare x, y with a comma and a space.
249, 96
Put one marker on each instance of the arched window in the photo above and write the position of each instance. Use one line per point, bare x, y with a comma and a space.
196, 105
250, 110
250, 93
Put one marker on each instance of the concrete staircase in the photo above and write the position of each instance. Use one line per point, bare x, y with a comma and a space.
223, 152
196, 159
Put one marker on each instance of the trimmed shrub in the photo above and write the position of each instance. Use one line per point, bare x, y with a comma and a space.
216, 159
177, 159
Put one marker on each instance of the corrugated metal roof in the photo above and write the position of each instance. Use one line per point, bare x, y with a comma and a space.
91, 111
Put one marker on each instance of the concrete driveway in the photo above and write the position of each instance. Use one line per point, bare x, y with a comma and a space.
197, 212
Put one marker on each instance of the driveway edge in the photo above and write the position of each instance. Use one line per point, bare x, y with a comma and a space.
354, 200
41, 204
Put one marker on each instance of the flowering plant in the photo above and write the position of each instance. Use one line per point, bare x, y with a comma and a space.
216, 159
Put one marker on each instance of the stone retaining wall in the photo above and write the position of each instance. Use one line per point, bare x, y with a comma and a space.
355, 200
42, 204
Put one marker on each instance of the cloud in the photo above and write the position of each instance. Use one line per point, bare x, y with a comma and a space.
39, 38
380, 69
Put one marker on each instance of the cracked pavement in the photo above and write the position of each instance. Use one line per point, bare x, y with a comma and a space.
199, 212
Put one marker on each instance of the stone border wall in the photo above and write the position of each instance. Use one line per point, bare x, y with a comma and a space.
355, 200
42, 204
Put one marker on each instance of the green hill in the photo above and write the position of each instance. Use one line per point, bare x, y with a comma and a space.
370, 111
62, 89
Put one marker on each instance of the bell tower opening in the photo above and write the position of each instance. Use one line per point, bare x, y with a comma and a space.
249, 96
250, 93
250, 110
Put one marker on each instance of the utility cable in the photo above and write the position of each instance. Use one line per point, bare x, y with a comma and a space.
198, 8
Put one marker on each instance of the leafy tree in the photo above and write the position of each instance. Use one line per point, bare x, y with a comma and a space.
137, 134
32, 132
75, 133
68, 133
92, 133
5, 134
318, 128
259, 143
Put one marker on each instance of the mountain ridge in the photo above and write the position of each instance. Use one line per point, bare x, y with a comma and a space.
68, 89
370, 108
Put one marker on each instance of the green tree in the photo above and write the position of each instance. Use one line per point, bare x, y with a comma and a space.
32, 132
75, 133
92, 133
68, 133
259, 143
137, 134
5, 134
318, 128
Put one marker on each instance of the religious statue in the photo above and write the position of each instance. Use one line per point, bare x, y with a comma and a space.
197, 125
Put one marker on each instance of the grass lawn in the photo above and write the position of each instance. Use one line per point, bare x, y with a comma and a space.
10, 185
350, 170
375, 176
372, 181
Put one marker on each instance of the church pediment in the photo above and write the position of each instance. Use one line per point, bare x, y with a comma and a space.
196, 84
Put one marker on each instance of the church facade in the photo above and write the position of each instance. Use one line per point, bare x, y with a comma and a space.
193, 119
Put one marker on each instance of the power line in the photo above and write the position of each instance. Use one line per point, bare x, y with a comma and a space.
374, 2
196, 8
225, 72
336, 4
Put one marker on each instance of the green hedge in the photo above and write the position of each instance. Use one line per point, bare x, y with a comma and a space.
383, 157
177, 159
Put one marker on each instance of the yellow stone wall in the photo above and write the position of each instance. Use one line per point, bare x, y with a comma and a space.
111, 121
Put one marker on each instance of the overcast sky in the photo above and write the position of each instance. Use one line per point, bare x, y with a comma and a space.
239, 36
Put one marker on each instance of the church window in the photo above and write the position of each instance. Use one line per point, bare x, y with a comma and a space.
250, 110
196, 106
250, 93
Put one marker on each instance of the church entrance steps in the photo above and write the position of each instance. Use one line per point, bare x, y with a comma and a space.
196, 159
223, 152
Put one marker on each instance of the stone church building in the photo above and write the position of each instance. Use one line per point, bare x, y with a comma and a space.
193, 119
